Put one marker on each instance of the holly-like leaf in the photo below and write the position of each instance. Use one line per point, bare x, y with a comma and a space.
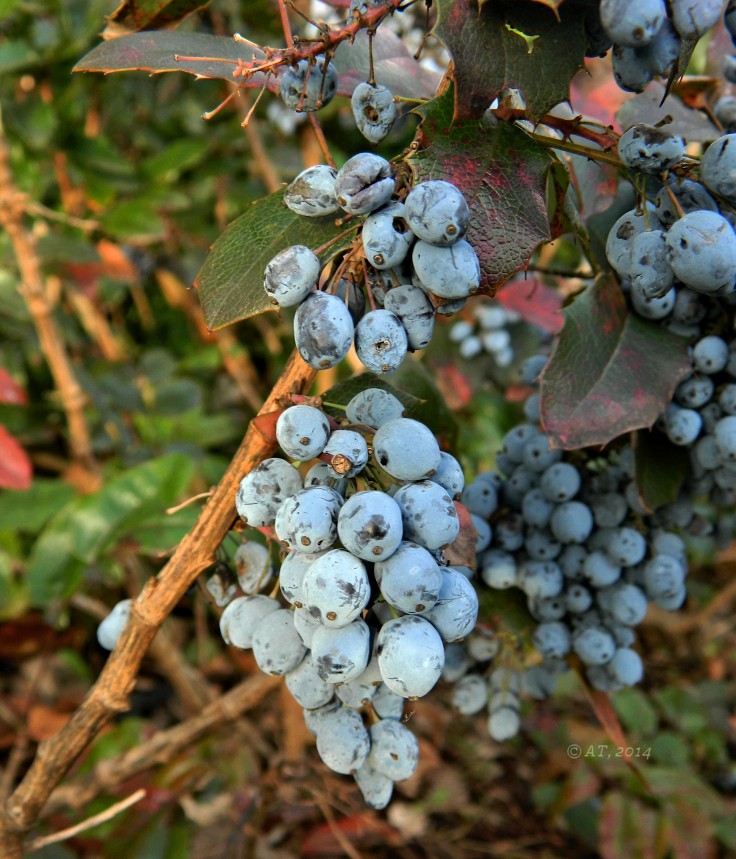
611, 371
503, 174
132, 15
513, 44
168, 50
660, 469
230, 282
16, 471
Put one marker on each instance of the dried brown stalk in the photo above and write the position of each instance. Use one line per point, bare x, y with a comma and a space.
34, 292
109, 775
110, 694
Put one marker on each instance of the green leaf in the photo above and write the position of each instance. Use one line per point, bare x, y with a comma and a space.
660, 468
510, 44
432, 410
151, 14
17, 55
503, 174
343, 392
78, 534
230, 282
163, 51
425, 402
28, 511
133, 219
682, 708
611, 371
180, 155
637, 714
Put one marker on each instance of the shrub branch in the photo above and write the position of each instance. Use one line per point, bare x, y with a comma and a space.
109, 695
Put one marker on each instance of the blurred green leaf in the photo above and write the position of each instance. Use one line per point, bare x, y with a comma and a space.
17, 55
77, 535
637, 714
179, 156
28, 511
230, 282
681, 708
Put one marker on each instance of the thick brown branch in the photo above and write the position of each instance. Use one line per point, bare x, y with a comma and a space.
109, 695
33, 290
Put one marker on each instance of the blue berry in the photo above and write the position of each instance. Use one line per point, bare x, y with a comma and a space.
323, 330
437, 212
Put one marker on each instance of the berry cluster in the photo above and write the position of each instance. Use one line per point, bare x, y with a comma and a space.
684, 234
647, 35
416, 264
487, 332
368, 600
570, 531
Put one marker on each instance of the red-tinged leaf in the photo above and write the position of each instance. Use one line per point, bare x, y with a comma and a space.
503, 174
628, 828
16, 470
132, 15
534, 301
611, 371
458, 392
395, 66
166, 50
113, 263
689, 832
510, 44
10, 391
461, 553
660, 469
361, 830
595, 94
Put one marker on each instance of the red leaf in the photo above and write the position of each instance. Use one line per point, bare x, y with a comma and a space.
611, 371
361, 829
15, 466
535, 302
10, 391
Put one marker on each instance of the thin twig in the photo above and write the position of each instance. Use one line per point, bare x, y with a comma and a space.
162, 747
321, 139
109, 695
90, 823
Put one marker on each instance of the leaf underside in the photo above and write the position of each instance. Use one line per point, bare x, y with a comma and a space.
489, 52
132, 15
230, 282
501, 171
611, 371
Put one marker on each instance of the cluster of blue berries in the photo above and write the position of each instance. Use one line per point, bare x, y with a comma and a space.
367, 601
647, 35
417, 264
572, 534
489, 331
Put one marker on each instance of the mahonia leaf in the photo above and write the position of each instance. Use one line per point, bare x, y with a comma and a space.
611, 371
132, 15
660, 469
512, 44
503, 174
230, 282
168, 50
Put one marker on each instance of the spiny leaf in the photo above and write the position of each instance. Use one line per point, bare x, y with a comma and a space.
510, 44
660, 469
165, 50
611, 371
230, 282
503, 174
